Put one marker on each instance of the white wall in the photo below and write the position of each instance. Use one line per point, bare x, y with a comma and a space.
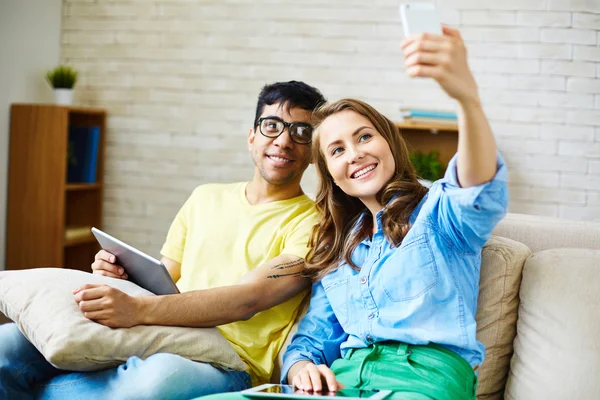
179, 79
29, 45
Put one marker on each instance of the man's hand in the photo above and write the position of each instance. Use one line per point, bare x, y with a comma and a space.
108, 306
309, 377
443, 58
104, 264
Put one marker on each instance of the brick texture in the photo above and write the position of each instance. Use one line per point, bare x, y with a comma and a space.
179, 79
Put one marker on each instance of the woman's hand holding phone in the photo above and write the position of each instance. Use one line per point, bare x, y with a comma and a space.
443, 58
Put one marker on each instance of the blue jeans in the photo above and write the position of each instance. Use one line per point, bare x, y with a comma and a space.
25, 374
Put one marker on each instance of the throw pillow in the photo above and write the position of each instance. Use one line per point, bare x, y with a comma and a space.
557, 352
40, 302
502, 262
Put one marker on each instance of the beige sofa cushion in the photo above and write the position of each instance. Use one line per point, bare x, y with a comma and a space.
544, 233
501, 266
41, 302
557, 349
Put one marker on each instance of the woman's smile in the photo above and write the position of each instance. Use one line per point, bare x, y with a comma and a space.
364, 172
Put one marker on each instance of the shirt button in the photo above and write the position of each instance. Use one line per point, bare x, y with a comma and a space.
369, 339
371, 315
363, 280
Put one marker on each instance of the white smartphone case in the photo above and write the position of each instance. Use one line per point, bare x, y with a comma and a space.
420, 17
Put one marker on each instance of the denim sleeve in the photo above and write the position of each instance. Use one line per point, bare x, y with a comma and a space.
319, 335
468, 215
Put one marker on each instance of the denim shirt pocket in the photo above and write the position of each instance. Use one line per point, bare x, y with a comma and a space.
337, 293
411, 270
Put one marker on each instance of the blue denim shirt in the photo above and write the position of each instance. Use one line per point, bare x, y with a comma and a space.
424, 291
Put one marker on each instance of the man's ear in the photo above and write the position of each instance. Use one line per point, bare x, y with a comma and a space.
251, 136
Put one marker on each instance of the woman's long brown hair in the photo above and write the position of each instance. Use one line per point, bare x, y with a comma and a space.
340, 229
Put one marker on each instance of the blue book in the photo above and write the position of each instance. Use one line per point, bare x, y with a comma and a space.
90, 173
413, 113
82, 156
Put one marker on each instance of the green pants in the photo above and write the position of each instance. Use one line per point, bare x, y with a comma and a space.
412, 372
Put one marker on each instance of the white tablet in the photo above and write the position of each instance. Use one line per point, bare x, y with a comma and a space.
143, 270
270, 390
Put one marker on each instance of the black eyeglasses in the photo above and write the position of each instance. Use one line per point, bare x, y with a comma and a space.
272, 127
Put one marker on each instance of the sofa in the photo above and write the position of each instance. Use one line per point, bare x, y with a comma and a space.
539, 310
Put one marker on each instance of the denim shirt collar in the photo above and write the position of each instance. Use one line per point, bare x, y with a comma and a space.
378, 216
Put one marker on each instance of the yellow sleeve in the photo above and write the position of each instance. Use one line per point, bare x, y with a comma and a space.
175, 242
296, 241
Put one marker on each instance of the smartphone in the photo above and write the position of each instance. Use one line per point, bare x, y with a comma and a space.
420, 18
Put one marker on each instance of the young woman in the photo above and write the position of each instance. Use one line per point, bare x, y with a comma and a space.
396, 265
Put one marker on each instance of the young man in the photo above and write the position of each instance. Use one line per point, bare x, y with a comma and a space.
236, 252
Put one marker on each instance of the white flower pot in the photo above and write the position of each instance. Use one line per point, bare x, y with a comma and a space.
63, 96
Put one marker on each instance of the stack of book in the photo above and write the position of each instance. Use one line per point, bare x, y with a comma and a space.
428, 117
82, 157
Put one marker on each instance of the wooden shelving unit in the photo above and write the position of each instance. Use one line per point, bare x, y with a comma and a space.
426, 137
40, 202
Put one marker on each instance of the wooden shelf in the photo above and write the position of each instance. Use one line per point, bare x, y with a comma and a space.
86, 110
80, 240
74, 109
406, 124
83, 186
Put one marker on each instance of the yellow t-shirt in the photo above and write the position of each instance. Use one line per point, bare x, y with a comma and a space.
218, 237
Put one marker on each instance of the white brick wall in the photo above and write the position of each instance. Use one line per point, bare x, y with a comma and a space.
535, 18
568, 68
180, 78
594, 167
586, 53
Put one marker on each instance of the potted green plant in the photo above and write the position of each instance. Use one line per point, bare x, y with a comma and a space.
62, 79
428, 166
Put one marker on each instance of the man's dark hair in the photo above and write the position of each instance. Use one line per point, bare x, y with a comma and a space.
292, 94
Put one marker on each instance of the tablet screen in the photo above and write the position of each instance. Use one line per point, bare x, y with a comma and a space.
285, 389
